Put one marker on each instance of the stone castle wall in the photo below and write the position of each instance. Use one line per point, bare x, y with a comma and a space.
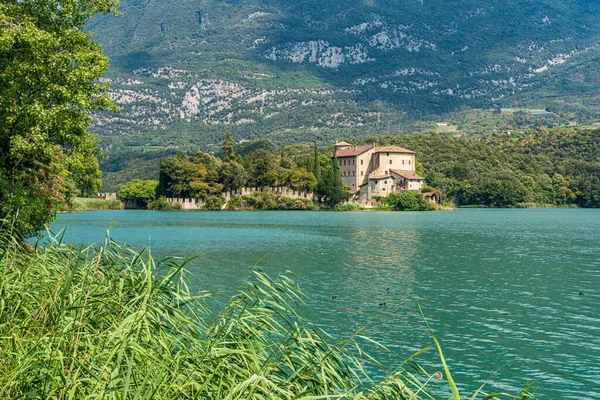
197, 204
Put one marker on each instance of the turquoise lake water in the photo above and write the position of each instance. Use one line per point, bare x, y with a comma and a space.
499, 287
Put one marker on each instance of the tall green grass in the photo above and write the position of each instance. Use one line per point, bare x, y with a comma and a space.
110, 322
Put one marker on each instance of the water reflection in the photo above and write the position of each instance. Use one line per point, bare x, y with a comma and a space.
500, 287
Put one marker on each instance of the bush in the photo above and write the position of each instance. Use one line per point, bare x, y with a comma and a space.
235, 203
213, 202
162, 204
408, 201
348, 207
269, 201
83, 203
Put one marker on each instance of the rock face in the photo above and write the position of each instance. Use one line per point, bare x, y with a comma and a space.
285, 64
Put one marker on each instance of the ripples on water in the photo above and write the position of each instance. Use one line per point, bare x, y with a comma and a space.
499, 287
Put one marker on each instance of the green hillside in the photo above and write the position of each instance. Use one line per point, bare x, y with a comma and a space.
184, 71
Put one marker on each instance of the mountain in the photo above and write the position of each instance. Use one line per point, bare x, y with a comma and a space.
186, 70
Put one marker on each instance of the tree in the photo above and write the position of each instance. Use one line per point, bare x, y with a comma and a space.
232, 175
330, 189
316, 166
302, 180
228, 152
419, 170
139, 192
49, 84
197, 176
502, 189
261, 168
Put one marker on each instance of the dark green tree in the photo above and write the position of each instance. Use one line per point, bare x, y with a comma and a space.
49, 84
330, 189
316, 165
261, 168
232, 176
228, 152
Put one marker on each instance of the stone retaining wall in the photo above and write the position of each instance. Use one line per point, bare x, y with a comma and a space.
197, 204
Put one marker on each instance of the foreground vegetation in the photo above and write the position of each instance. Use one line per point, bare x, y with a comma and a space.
111, 322
84, 204
49, 84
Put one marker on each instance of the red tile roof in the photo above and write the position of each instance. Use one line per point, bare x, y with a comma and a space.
353, 151
393, 149
407, 174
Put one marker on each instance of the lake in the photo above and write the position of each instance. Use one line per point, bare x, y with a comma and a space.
500, 288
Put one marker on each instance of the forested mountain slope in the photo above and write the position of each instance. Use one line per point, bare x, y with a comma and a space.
297, 70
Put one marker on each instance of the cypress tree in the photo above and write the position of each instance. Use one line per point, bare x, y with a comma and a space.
316, 166
228, 152
330, 188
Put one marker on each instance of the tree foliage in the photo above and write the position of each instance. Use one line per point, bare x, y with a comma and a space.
49, 71
556, 167
408, 201
196, 176
139, 192
302, 180
262, 168
228, 152
330, 189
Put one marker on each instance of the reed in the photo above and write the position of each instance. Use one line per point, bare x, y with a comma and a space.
111, 322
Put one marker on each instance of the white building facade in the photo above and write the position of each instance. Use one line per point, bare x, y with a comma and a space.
377, 171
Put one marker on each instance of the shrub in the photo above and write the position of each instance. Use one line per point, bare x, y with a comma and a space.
213, 202
348, 207
408, 201
83, 203
162, 204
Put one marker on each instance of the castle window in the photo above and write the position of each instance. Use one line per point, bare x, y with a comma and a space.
344, 162
362, 173
387, 154
390, 161
353, 173
402, 162
382, 188
385, 182
353, 161
408, 162
361, 162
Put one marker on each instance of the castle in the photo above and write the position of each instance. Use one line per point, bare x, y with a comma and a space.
377, 171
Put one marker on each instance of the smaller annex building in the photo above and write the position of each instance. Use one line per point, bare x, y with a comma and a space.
377, 171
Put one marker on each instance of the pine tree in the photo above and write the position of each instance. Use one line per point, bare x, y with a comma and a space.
228, 152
